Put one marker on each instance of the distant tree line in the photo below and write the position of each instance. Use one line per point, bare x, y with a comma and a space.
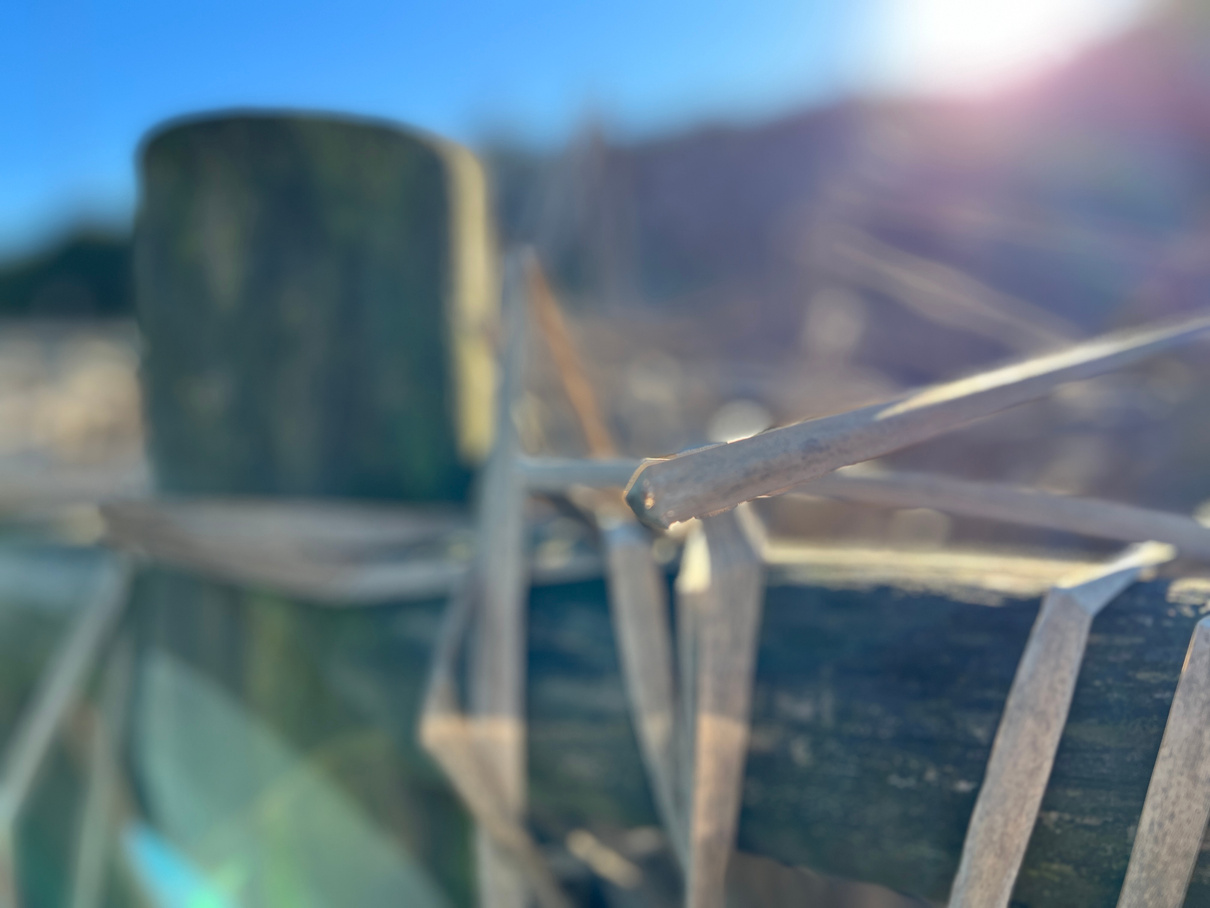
83, 274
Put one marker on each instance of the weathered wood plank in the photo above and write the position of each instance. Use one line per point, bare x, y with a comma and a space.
874, 712
874, 708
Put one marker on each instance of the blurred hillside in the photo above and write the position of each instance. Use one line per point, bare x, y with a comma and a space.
70, 419
83, 274
827, 259
1084, 192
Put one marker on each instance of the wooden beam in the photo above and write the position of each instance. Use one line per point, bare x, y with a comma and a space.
876, 701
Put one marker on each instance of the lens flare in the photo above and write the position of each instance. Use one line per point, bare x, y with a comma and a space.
968, 46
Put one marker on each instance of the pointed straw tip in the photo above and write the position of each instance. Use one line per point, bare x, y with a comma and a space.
642, 500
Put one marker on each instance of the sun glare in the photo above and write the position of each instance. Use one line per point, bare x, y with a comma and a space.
963, 46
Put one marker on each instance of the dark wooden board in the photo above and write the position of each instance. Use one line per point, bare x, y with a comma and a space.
874, 713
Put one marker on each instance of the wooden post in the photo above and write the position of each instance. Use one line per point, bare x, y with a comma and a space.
314, 294
317, 301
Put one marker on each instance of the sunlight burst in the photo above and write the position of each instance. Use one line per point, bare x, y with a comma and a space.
961, 46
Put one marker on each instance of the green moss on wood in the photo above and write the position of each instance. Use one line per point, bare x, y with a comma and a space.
292, 280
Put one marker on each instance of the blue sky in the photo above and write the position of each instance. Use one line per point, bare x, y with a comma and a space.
82, 80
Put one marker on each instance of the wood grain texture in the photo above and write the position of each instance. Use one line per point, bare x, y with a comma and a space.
1173, 823
309, 290
1028, 735
712, 479
873, 713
